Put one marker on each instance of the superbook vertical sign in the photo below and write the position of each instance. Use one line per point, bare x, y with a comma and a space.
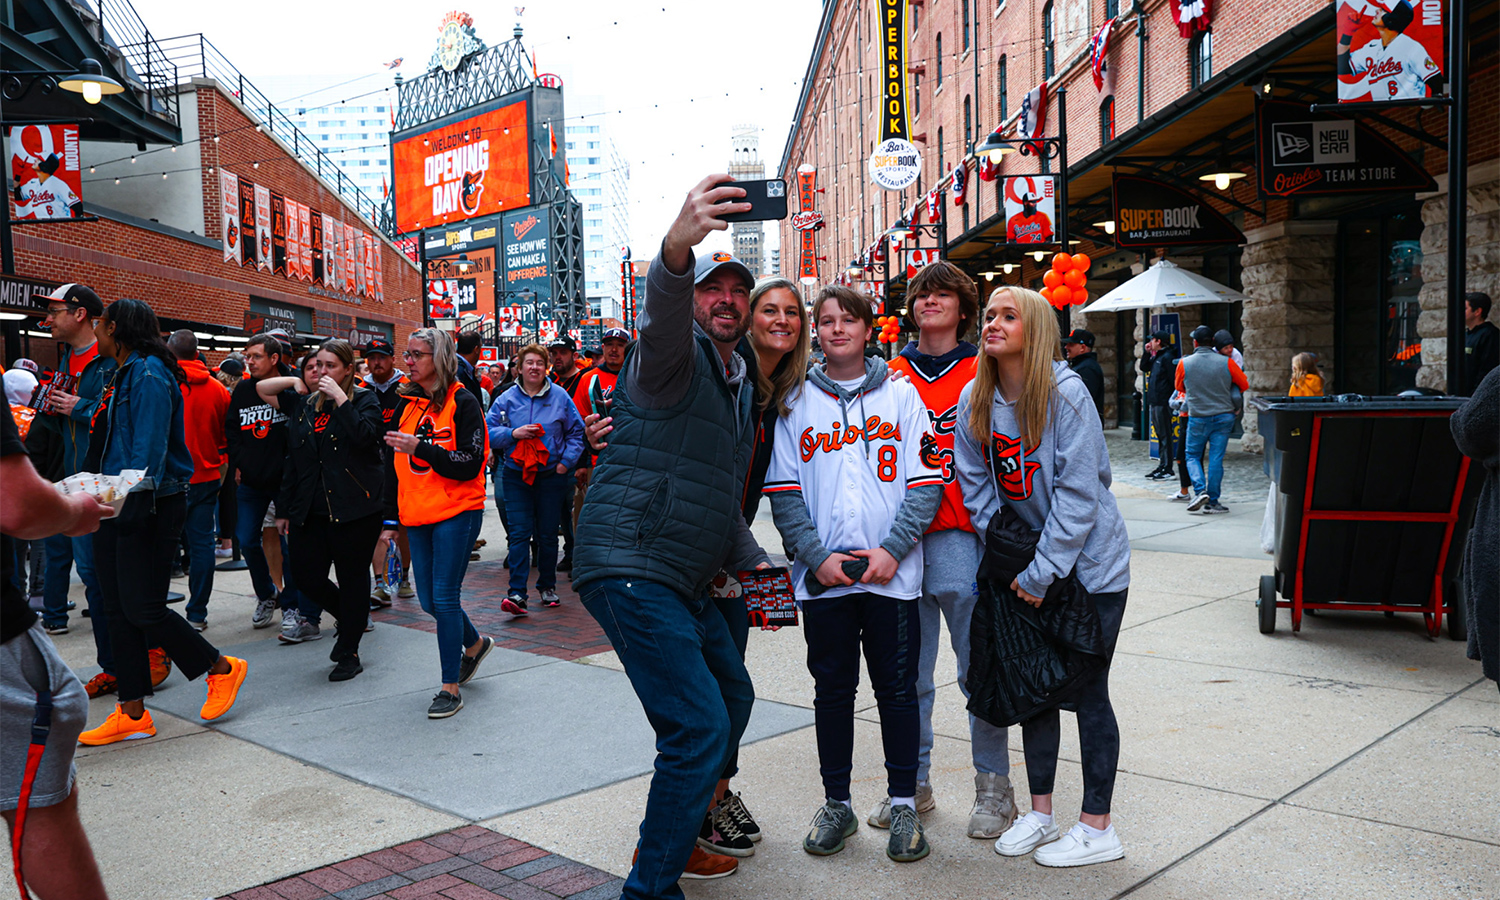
895, 163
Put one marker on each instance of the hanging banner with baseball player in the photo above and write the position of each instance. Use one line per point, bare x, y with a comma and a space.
806, 223
896, 162
229, 203
44, 165
442, 294
1389, 51
508, 321
546, 331
1305, 154
246, 255
262, 228
1030, 208
1149, 213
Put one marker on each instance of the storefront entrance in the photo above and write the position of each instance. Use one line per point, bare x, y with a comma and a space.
1379, 276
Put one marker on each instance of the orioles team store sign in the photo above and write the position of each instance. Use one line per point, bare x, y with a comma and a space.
466, 167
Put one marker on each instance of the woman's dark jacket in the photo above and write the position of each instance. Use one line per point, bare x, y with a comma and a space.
335, 450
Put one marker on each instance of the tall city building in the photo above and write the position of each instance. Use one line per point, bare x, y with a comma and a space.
599, 177
745, 165
351, 122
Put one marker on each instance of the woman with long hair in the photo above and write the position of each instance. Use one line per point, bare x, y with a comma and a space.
434, 485
330, 505
1029, 438
538, 435
139, 426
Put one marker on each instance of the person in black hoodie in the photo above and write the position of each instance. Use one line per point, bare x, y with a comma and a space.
256, 434
1160, 366
330, 502
1079, 346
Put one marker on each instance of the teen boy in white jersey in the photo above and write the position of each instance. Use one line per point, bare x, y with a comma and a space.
853, 486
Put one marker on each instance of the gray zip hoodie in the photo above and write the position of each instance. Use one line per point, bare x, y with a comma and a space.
789, 510
1060, 487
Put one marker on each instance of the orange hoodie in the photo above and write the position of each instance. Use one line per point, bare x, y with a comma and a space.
204, 403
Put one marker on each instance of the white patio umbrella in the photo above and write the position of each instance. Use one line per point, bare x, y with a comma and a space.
1165, 284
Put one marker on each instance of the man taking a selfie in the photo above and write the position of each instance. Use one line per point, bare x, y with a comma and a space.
662, 518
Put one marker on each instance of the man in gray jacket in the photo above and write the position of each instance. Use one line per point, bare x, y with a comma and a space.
1208, 379
662, 518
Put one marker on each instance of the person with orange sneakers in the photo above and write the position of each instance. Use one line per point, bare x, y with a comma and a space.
139, 426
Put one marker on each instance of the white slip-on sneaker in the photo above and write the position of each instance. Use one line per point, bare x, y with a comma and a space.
1198, 503
1077, 849
1024, 836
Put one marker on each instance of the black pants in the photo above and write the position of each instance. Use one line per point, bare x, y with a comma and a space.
318, 544
1098, 732
737, 618
567, 514
1179, 440
228, 506
133, 561
891, 633
1161, 420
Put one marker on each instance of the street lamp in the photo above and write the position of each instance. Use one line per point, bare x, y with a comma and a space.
89, 80
1108, 226
994, 147
1223, 173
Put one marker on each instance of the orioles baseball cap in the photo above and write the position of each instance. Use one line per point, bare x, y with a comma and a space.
707, 265
615, 334
377, 347
1080, 336
79, 297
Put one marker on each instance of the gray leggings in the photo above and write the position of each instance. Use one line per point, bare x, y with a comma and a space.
1098, 732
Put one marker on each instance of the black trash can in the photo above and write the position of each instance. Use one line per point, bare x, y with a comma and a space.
1373, 505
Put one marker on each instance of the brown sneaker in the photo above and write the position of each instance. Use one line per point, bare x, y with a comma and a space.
161, 666
702, 865
101, 684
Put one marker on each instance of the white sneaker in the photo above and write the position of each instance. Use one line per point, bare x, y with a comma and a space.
1181, 497
1198, 503
1077, 849
1025, 836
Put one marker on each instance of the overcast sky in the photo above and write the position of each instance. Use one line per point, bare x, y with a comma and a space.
674, 77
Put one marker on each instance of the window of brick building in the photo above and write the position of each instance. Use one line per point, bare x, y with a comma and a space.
1048, 48
1107, 120
1003, 88
916, 93
942, 169
1201, 57
964, 5
1111, 8
938, 51
968, 127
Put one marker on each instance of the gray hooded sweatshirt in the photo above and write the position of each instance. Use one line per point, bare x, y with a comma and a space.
1060, 487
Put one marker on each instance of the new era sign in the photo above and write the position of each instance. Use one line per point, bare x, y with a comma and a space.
1312, 143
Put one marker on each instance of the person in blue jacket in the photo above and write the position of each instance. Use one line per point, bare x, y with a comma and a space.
138, 425
537, 411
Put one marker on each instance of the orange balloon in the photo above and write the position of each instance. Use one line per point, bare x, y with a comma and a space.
1047, 293
1080, 297
1062, 262
1051, 278
1082, 262
1075, 278
1062, 295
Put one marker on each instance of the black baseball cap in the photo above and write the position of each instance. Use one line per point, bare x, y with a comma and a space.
233, 367
563, 343
379, 346
1203, 335
1080, 336
1164, 336
78, 297
615, 334
1222, 339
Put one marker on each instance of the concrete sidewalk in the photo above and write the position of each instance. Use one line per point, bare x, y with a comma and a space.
1358, 758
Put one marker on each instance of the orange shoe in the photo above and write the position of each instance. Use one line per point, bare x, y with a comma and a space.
119, 727
223, 689
161, 666
702, 865
101, 684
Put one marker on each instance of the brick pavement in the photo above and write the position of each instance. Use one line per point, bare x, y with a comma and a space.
469, 863
567, 632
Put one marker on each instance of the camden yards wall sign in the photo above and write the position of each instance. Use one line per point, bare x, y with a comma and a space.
1303, 154
1152, 214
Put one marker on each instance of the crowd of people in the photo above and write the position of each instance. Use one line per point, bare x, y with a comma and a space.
352, 479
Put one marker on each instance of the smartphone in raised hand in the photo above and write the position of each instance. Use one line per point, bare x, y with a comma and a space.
767, 199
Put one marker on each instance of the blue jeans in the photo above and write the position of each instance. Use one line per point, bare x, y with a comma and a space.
250, 512
697, 695
1212, 431
200, 537
62, 553
532, 512
439, 559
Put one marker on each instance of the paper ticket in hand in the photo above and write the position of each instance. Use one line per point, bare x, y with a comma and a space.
109, 489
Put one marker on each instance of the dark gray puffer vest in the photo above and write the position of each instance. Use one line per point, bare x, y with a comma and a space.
664, 498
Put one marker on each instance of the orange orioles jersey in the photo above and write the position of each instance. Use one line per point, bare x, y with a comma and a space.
1032, 229
940, 396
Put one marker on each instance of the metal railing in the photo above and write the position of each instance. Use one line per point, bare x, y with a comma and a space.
194, 56
133, 52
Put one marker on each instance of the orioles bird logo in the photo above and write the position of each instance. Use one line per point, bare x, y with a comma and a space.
473, 187
1014, 469
233, 235
261, 428
426, 432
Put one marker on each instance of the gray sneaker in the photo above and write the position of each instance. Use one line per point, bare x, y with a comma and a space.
994, 806
265, 613
302, 630
1215, 508
832, 823
881, 816
550, 599
1198, 503
907, 843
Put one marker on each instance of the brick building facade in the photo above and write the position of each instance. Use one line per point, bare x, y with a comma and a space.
159, 239
971, 62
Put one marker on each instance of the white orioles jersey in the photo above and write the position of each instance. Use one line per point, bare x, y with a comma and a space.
854, 475
1395, 72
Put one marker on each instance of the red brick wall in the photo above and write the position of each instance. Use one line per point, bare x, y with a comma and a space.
184, 279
